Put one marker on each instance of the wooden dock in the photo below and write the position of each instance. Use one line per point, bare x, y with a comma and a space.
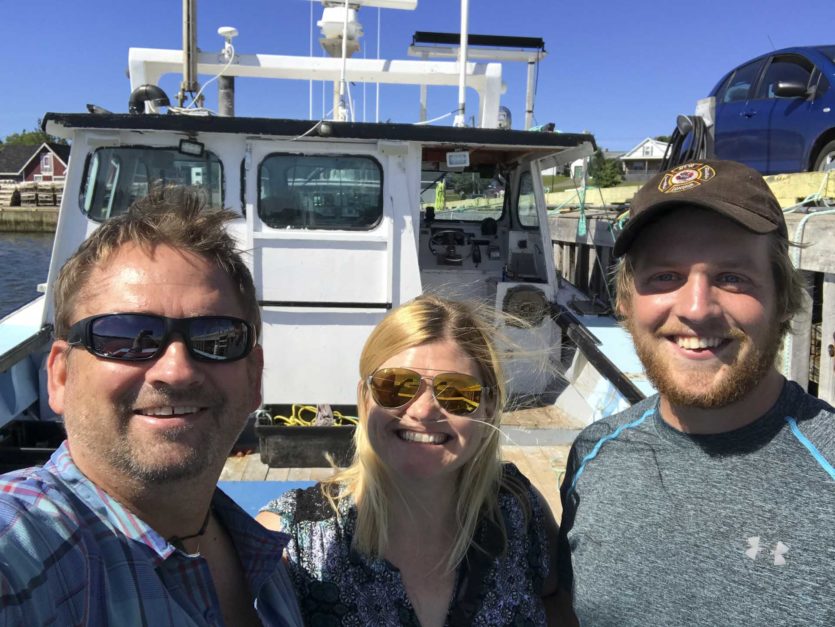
28, 219
29, 207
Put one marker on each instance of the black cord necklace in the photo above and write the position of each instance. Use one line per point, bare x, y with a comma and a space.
178, 540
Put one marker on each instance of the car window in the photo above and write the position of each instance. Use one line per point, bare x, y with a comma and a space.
784, 69
829, 51
722, 86
822, 83
739, 85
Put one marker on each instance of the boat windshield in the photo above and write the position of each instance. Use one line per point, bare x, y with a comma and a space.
115, 177
462, 196
320, 192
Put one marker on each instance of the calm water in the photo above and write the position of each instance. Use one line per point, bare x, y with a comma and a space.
24, 262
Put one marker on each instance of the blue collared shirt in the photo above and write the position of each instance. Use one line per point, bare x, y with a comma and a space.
70, 554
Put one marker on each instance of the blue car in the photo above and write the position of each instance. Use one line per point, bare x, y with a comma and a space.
776, 113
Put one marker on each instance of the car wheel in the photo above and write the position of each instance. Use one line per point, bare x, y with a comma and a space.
825, 156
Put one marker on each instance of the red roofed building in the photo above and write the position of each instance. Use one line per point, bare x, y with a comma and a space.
45, 163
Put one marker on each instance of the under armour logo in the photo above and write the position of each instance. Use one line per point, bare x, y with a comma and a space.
778, 552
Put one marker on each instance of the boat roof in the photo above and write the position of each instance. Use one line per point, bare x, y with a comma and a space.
515, 141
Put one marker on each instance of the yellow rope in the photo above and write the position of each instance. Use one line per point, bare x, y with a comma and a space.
297, 419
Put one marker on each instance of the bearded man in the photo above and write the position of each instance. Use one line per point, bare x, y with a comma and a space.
712, 502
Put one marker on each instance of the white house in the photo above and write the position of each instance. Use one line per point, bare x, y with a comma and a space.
644, 160
576, 168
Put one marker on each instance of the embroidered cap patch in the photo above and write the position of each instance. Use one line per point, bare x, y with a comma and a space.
685, 177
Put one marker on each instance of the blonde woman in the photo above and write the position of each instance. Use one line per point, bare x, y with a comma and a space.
427, 526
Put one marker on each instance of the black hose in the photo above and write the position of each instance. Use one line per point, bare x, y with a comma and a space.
680, 150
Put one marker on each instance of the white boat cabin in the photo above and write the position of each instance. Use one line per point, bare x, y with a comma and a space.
342, 221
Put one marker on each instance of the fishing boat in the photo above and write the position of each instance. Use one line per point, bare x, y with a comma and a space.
343, 220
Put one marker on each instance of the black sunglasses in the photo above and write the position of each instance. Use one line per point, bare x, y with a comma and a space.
141, 337
456, 392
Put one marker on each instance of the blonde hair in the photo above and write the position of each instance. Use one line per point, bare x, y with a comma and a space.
367, 481
172, 215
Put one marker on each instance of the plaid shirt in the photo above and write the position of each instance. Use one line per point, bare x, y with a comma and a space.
72, 555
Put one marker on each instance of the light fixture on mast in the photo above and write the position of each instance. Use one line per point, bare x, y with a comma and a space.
340, 28
341, 31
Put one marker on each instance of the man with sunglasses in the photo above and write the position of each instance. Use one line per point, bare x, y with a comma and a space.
155, 368
712, 502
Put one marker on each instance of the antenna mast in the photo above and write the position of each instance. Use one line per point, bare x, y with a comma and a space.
189, 84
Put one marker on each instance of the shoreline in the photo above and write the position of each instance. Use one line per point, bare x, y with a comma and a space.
788, 188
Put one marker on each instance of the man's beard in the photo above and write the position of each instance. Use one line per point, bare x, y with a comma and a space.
707, 389
177, 453
190, 464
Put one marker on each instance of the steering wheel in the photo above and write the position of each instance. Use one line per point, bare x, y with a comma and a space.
449, 239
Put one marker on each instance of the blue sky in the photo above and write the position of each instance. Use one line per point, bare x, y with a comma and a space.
620, 70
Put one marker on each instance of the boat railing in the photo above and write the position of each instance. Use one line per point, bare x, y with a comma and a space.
588, 344
30, 345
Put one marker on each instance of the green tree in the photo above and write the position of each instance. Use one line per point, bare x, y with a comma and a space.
663, 138
465, 183
605, 172
31, 138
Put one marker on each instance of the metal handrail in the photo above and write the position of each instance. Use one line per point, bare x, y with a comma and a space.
26, 347
588, 344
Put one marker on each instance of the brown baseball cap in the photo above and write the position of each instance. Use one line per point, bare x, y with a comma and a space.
726, 187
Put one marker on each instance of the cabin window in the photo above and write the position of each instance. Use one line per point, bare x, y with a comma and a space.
335, 192
116, 177
463, 196
528, 216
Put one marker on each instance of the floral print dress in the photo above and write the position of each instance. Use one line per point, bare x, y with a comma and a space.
337, 585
